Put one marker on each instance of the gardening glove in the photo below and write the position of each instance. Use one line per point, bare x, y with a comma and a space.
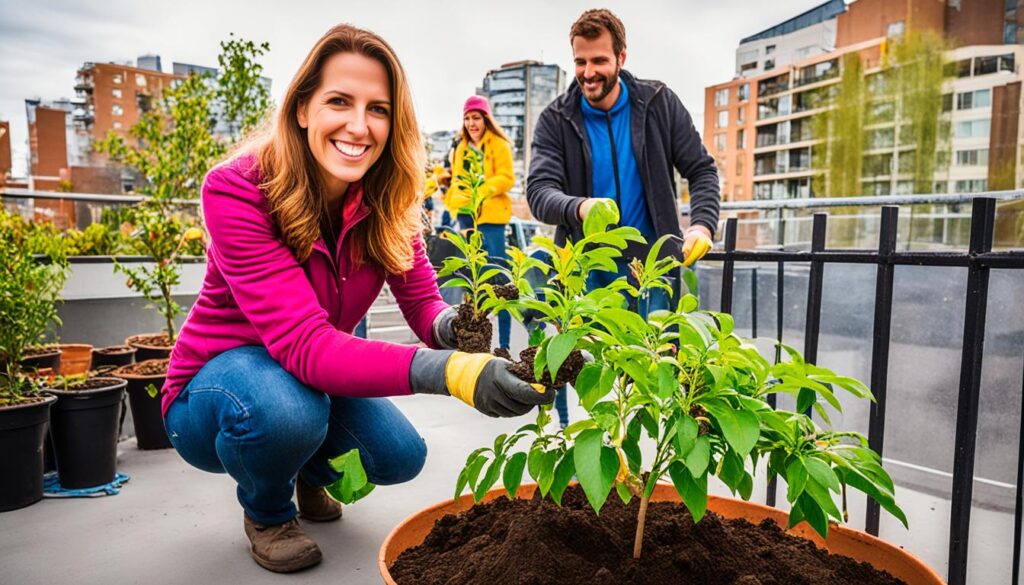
696, 243
444, 333
478, 379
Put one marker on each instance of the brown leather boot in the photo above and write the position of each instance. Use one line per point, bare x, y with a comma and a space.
314, 503
284, 548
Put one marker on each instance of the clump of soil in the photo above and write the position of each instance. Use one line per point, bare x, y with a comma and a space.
534, 542
113, 349
472, 334
146, 368
507, 292
567, 373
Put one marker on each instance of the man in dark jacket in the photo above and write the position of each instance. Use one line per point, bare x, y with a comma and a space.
613, 135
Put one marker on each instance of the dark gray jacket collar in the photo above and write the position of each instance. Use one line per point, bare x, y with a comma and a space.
641, 92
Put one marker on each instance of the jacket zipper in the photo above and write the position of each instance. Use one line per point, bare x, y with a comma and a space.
615, 162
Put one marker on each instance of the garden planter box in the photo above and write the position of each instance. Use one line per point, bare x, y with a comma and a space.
22, 428
83, 429
842, 540
149, 423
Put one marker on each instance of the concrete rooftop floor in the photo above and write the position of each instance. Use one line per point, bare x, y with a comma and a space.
174, 524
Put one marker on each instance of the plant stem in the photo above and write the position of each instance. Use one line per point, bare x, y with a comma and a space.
638, 542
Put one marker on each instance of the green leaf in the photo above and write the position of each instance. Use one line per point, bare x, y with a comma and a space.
686, 434
513, 474
813, 515
547, 471
456, 282
822, 473
536, 336
740, 427
823, 497
690, 278
559, 349
353, 484
578, 426
489, 479
698, 458
796, 478
602, 214
596, 467
563, 475
624, 494
694, 492
668, 384
805, 400
604, 385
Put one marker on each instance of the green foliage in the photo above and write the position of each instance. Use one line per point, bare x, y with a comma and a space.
30, 289
683, 383
842, 153
245, 100
353, 484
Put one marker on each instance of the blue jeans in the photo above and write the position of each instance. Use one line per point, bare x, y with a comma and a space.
494, 243
244, 415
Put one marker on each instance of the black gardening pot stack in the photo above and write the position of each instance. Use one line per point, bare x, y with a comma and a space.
84, 429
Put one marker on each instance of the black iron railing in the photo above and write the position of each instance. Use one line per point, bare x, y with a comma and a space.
979, 260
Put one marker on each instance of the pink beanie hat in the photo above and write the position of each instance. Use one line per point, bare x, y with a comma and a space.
476, 102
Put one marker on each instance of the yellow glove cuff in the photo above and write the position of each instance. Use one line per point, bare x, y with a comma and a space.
697, 251
461, 373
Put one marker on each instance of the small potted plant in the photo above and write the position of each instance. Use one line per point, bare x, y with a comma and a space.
29, 292
84, 427
165, 240
672, 401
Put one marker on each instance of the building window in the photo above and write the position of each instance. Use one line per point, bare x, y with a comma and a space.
116, 110
895, 29
981, 98
769, 64
116, 92
722, 97
741, 139
117, 125
741, 115
769, 49
947, 102
720, 142
117, 78
1010, 33
743, 92
941, 187
972, 186
140, 80
723, 119
739, 166
963, 68
972, 158
972, 129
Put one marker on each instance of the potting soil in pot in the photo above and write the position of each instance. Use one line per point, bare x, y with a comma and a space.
534, 542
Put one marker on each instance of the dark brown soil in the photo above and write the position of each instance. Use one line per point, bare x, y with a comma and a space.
158, 340
89, 384
113, 349
8, 400
35, 350
146, 368
523, 369
533, 542
473, 335
507, 292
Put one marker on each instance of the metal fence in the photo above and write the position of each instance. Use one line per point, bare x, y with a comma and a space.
979, 259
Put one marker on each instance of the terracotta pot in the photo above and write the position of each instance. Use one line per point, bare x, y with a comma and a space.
147, 352
75, 358
841, 539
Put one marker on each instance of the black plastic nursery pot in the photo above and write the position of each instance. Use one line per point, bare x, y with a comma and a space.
115, 355
83, 428
146, 350
49, 360
22, 428
149, 422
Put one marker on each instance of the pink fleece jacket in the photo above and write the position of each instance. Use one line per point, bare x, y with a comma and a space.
257, 293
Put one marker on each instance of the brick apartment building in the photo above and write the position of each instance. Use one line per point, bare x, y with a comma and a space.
758, 126
5, 151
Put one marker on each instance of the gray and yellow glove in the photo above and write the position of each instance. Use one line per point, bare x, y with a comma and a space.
442, 329
480, 380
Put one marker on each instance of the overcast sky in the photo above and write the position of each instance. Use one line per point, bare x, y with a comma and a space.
446, 47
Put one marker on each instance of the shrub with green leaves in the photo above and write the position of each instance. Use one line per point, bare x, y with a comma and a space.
30, 287
685, 386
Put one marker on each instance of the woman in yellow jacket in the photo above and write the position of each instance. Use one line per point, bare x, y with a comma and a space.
481, 131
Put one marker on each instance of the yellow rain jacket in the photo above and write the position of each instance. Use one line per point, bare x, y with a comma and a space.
497, 205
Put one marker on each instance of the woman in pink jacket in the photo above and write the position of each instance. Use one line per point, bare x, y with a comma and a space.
267, 382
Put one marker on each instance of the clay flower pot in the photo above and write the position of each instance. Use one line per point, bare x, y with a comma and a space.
841, 540
75, 358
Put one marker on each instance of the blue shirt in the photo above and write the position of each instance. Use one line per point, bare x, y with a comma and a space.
615, 174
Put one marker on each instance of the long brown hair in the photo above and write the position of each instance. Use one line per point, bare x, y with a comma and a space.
489, 123
392, 187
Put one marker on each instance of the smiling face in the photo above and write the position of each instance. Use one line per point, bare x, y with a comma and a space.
474, 124
597, 69
347, 119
